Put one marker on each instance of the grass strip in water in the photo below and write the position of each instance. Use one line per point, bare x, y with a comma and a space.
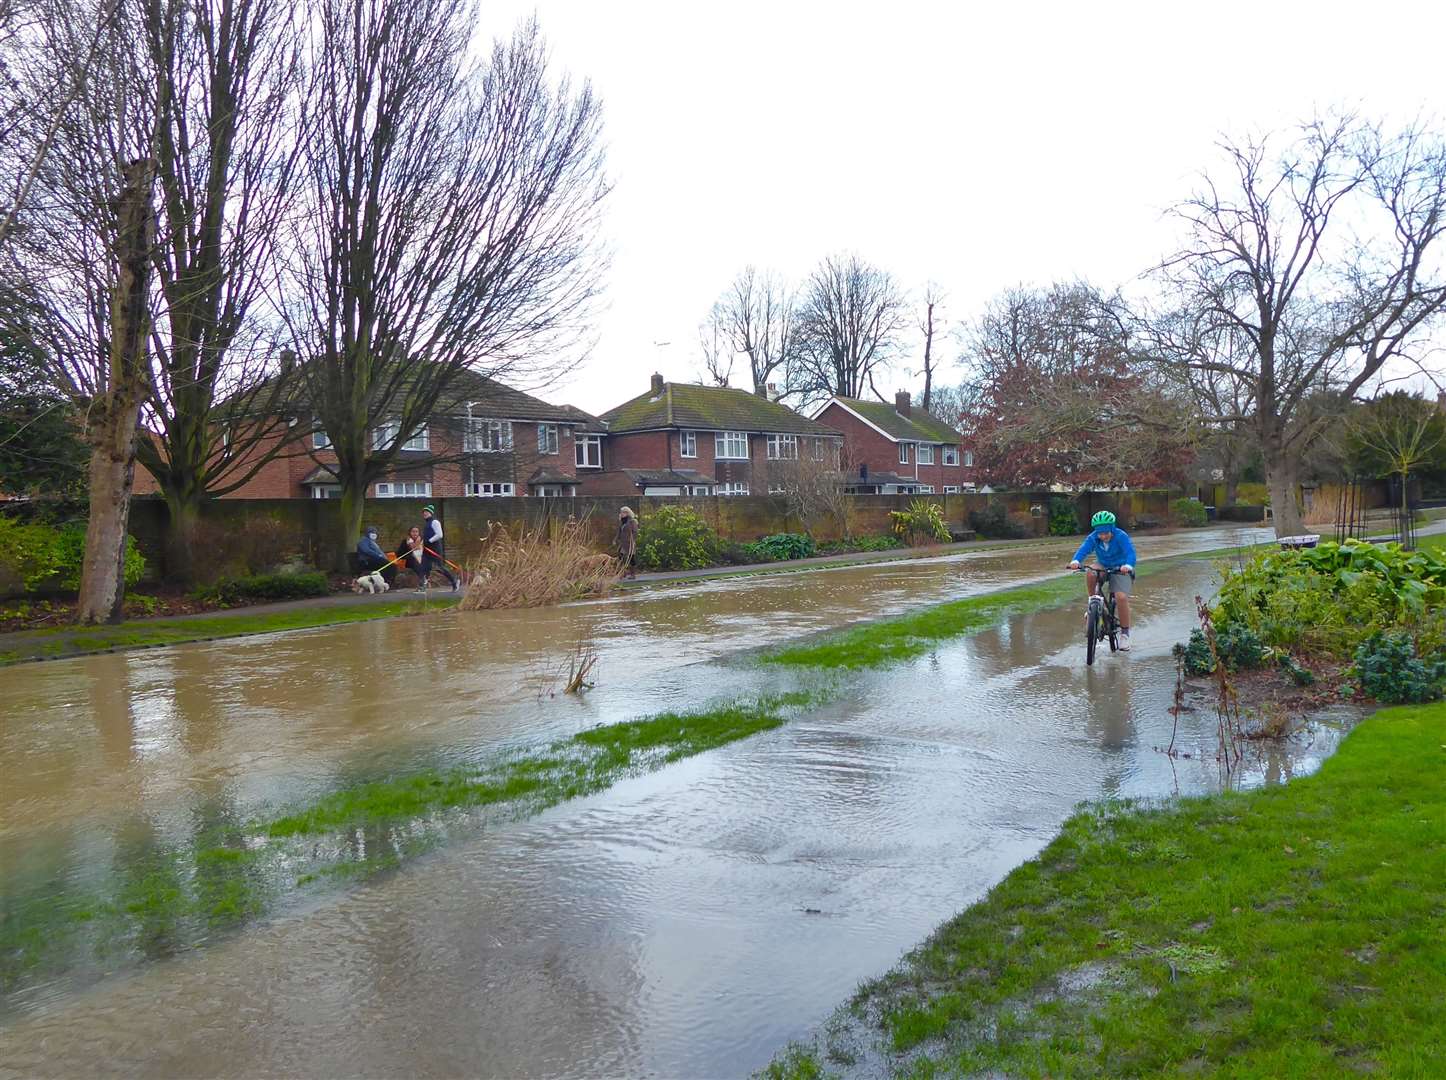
65, 641
165, 900
1286, 931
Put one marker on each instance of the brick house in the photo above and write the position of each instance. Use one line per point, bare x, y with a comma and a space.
683, 439
494, 441
898, 449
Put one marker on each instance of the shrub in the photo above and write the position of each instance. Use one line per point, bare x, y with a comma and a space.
1198, 660
732, 553
1239, 647
1063, 520
995, 523
860, 543
1389, 670
536, 568
924, 519
782, 546
1189, 512
50, 557
264, 587
676, 538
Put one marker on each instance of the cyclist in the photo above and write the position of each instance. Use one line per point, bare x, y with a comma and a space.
1113, 550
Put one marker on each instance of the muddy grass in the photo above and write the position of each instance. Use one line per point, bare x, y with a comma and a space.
1288, 931
175, 898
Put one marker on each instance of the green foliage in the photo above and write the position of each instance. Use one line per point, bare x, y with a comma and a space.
1330, 598
782, 546
1063, 519
1189, 512
861, 543
1301, 676
1389, 670
41, 453
923, 518
676, 538
265, 587
1239, 647
994, 523
1197, 655
50, 557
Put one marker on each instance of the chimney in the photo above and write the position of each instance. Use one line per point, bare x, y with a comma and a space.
773, 391
657, 385
901, 402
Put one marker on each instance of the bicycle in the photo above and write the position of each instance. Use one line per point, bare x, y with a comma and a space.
1100, 619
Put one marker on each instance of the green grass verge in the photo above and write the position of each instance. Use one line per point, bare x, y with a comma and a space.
64, 641
1289, 931
166, 899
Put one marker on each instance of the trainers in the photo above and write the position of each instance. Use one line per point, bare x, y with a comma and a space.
1124, 641
456, 585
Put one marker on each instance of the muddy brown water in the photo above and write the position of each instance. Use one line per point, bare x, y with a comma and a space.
688, 922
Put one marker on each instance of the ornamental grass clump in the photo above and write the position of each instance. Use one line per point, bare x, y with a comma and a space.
536, 568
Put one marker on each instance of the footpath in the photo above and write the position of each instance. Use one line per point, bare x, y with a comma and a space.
62, 642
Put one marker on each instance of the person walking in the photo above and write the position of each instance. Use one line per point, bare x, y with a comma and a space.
628, 541
432, 549
412, 555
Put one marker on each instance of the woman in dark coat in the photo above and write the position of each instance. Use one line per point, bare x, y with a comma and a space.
628, 541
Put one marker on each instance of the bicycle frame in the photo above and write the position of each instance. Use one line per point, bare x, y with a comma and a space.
1102, 621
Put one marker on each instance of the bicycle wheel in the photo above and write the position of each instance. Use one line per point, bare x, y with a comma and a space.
1092, 631
1112, 625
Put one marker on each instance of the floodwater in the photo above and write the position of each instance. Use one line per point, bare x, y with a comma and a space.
686, 922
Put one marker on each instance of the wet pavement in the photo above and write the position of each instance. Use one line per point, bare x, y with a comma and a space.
688, 922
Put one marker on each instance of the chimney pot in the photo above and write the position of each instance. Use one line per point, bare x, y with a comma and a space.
657, 384
901, 402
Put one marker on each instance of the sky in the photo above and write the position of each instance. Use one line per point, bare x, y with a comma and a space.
977, 146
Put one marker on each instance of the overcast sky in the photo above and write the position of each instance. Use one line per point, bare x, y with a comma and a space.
975, 145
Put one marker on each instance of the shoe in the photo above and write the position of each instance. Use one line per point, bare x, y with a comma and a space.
456, 585
1124, 641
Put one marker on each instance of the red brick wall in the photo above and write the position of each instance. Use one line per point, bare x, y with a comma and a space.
864, 445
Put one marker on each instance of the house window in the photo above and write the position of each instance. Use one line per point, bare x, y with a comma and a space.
700, 489
383, 435
775, 488
733, 487
589, 451
951, 489
783, 447
926, 489
490, 491
488, 436
320, 440
951, 455
731, 445
926, 455
688, 443
547, 438
326, 491
968, 458
820, 447
404, 489
903, 453
555, 491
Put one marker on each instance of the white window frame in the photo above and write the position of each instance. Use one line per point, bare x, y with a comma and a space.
484, 436
732, 487
320, 440
555, 491
548, 439
688, 444
775, 488
926, 489
726, 445
581, 445
951, 455
388, 489
384, 434
903, 453
951, 489
783, 448
490, 490
926, 454
700, 489
326, 491
968, 459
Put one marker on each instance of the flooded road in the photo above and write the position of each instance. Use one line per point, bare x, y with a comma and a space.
687, 922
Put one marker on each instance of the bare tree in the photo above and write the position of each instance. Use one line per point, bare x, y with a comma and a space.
1323, 260
929, 324
754, 318
813, 483
451, 226
718, 354
80, 268
1395, 435
226, 75
851, 316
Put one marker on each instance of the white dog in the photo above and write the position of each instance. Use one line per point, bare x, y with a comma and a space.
371, 583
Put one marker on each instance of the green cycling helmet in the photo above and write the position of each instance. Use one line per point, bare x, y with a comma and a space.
1104, 517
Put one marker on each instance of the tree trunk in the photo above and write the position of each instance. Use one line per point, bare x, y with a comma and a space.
353, 504
115, 412
1280, 476
1232, 489
184, 509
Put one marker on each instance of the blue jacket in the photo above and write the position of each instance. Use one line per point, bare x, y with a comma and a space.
368, 547
1118, 552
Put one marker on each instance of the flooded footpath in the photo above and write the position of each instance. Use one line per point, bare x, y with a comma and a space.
686, 922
